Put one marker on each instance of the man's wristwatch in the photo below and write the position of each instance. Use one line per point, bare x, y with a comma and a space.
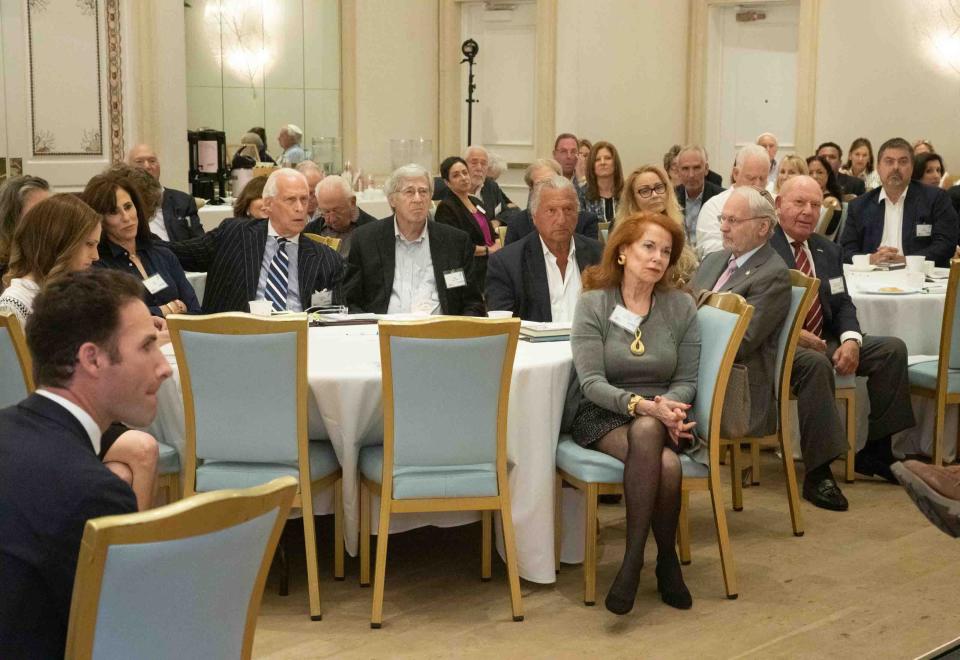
632, 406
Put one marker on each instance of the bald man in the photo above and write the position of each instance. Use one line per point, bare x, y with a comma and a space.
177, 218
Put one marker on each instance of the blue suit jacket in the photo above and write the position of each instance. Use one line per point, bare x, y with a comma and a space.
925, 206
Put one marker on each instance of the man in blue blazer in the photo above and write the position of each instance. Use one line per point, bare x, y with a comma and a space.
533, 277
901, 217
520, 223
96, 360
833, 341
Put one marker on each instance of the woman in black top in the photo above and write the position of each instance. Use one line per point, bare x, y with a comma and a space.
126, 245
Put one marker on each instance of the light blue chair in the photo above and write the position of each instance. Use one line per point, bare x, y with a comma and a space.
446, 388
940, 379
16, 367
244, 382
724, 319
180, 581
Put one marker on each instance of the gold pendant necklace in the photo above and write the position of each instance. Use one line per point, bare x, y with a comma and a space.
637, 347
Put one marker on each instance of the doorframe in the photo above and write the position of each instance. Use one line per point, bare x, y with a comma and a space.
807, 48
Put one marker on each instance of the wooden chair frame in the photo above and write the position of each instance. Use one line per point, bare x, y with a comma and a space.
939, 394
10, 321
827, 217
329, 241
202, 514
728, 302
245, 324
782, 436
449, 328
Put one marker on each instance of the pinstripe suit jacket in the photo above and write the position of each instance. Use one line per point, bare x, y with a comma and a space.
231, 256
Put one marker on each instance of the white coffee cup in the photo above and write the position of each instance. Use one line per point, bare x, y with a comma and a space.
928, 266
861, 261
505, 314
261, 307
915, 264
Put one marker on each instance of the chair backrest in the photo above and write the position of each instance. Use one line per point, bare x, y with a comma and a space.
950, 327
16, 366
802, 292
502, 234
604, 235
181, 581
329, 241
825, 217
244, 382
723, 318
446, 386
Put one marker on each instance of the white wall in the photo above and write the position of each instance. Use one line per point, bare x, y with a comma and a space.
876, 77
621, 74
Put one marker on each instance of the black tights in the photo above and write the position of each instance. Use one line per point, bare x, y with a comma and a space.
651, 487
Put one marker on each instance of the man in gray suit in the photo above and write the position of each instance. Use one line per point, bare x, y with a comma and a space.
748, 266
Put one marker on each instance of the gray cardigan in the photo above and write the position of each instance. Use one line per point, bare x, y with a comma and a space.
610, 374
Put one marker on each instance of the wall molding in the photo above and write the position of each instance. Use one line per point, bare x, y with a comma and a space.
115, 80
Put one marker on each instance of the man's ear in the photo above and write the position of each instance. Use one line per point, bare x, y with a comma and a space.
89, 358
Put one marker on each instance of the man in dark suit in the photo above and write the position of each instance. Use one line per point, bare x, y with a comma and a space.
520, 223
177, 219
101, 365
694, 190
831, 340
900, 217
407, 264
535, 277
248, 259
747, 265
337, 212
495, 201
851, 185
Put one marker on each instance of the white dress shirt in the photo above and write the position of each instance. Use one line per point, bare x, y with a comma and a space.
709, 238
414, 283
893, 220
294, 304
564, 289
81, 415
157, 226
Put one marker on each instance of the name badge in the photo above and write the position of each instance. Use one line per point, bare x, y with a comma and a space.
624, 318
155, 283
454, 278
924, 231
836, 286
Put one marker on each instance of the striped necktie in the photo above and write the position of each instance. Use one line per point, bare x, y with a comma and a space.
814, 321
276, 289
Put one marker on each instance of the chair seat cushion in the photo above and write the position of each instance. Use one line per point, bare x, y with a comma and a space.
410, 483
924, 374
594, 466
216, 475
169, 460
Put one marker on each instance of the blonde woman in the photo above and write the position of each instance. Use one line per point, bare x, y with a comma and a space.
791, 165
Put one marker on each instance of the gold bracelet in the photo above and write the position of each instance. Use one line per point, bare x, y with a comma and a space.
632, 406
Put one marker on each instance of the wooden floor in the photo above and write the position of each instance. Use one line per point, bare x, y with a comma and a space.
877, 581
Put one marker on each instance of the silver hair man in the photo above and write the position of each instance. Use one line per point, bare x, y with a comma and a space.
559, 182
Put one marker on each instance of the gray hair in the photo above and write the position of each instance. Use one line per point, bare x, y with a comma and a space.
13, 194
293, 131
761, 204
695, 148
270, 187
536, 165
496, 166
335, 182
558, 182
252, 138
751, 151
475, 147
404, 174
767, 134
306, 166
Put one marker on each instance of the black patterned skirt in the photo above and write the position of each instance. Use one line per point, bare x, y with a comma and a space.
110, 436
593, 422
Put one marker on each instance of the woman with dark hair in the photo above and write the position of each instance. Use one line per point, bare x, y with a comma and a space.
17, 196
250, 202
860, 163
928, 168
604, 182
636, 349
126, 244
820, 171
466, 213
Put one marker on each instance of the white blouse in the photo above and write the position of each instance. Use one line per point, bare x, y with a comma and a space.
18, 297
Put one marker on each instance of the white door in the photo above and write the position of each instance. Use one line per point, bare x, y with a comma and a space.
55, 95
752, 79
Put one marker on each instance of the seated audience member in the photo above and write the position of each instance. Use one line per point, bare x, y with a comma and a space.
636, 348
648, 189
604, 182
248, 153
583, 149
928, 168
126, 244
249, 204
749, 266
493, 199
670, 165
769, 142
405, 264
900, 218
497, 166
922, 146
538, 277
58, 236
248, 259
148, 189
177, 219
566, 151
831, 340
749, 169
936, 491
464, 212
860, 163
289, 138
694, 189
790, 166
17, 196
520, 223
265, 157
820, 171
101, 365
314, 175
850, 185
337, 212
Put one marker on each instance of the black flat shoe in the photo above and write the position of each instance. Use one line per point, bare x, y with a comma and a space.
825, 494
672, 589
872, 466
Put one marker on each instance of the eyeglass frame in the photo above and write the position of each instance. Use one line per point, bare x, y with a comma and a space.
651, 190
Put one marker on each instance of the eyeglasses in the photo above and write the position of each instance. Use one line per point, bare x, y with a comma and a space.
733, 221
410, 193
647, 191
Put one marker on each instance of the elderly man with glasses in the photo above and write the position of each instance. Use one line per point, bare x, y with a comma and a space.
337, 213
